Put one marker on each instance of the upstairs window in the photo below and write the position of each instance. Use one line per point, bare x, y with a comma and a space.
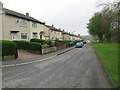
34, 24
23, 23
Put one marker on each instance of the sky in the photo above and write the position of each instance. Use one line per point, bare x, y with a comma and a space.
70, 15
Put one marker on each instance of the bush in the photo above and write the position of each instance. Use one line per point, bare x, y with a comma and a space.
51, 43
72, 43
8, 47
76, 41
35, 46
22, 44
45, 46
38, 40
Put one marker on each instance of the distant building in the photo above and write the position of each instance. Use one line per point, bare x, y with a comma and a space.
54, 33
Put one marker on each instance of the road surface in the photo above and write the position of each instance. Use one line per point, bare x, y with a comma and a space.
78, 68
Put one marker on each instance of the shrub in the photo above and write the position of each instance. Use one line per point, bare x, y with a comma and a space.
35, 46
22, 44
51, 43
37, 40
76, 41
45, 46
8, 47
72, 43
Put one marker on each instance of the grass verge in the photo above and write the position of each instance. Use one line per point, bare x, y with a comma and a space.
108, 54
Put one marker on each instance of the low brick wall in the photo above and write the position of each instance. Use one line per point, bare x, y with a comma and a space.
47, 50
61, 45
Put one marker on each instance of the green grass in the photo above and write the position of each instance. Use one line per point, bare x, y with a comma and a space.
108, 53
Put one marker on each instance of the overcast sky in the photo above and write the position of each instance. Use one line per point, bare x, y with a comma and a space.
71, 15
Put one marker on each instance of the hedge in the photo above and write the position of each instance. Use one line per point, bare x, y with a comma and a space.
51, 43
45, 46
37, 40
35, 46
76, 41
8, 47
22, 44
68, 43
71, 44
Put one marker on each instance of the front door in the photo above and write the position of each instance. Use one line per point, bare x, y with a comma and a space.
14, 36
40, 36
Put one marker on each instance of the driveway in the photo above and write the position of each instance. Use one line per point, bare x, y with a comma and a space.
23, 54
78, 68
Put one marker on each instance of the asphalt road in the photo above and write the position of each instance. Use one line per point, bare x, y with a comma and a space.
78, 68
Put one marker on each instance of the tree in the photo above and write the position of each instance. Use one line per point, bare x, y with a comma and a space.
110, 13
105, 24
95, 26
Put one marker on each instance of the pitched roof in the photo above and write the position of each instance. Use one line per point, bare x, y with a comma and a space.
53, 28
65, 33
19, 15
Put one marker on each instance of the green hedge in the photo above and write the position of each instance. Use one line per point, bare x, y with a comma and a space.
45, 46
51, 43
22, 44
71, 44
35, 46
8, 47
37, 40
76, 41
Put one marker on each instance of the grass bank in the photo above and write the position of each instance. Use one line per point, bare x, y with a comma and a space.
108, 53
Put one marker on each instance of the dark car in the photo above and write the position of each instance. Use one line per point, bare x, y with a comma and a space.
84, 42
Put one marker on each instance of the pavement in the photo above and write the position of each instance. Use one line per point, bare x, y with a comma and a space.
78, 68
25, 56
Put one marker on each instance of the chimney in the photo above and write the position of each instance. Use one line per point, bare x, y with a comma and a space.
27, 14
1, 5
52, 25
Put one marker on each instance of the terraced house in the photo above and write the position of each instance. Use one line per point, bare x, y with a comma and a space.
17, 26
55, 33
66, 35
39, 30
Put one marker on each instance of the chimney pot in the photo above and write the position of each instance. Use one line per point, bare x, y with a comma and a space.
52, 25
27, 14
1, 5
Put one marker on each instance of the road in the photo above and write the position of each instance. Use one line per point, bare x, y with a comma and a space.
78, 68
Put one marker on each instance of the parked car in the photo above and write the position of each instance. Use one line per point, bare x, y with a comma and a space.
84, 42
79, 45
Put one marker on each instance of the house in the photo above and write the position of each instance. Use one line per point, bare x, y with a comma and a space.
66, 35
39, 30
54, 33
17, 26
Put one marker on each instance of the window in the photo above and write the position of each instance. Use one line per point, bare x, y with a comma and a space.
23, 23
35, 35
51, 30
52, 38
23, 35
34, 24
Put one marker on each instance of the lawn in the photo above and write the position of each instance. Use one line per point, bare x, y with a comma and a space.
108, 53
